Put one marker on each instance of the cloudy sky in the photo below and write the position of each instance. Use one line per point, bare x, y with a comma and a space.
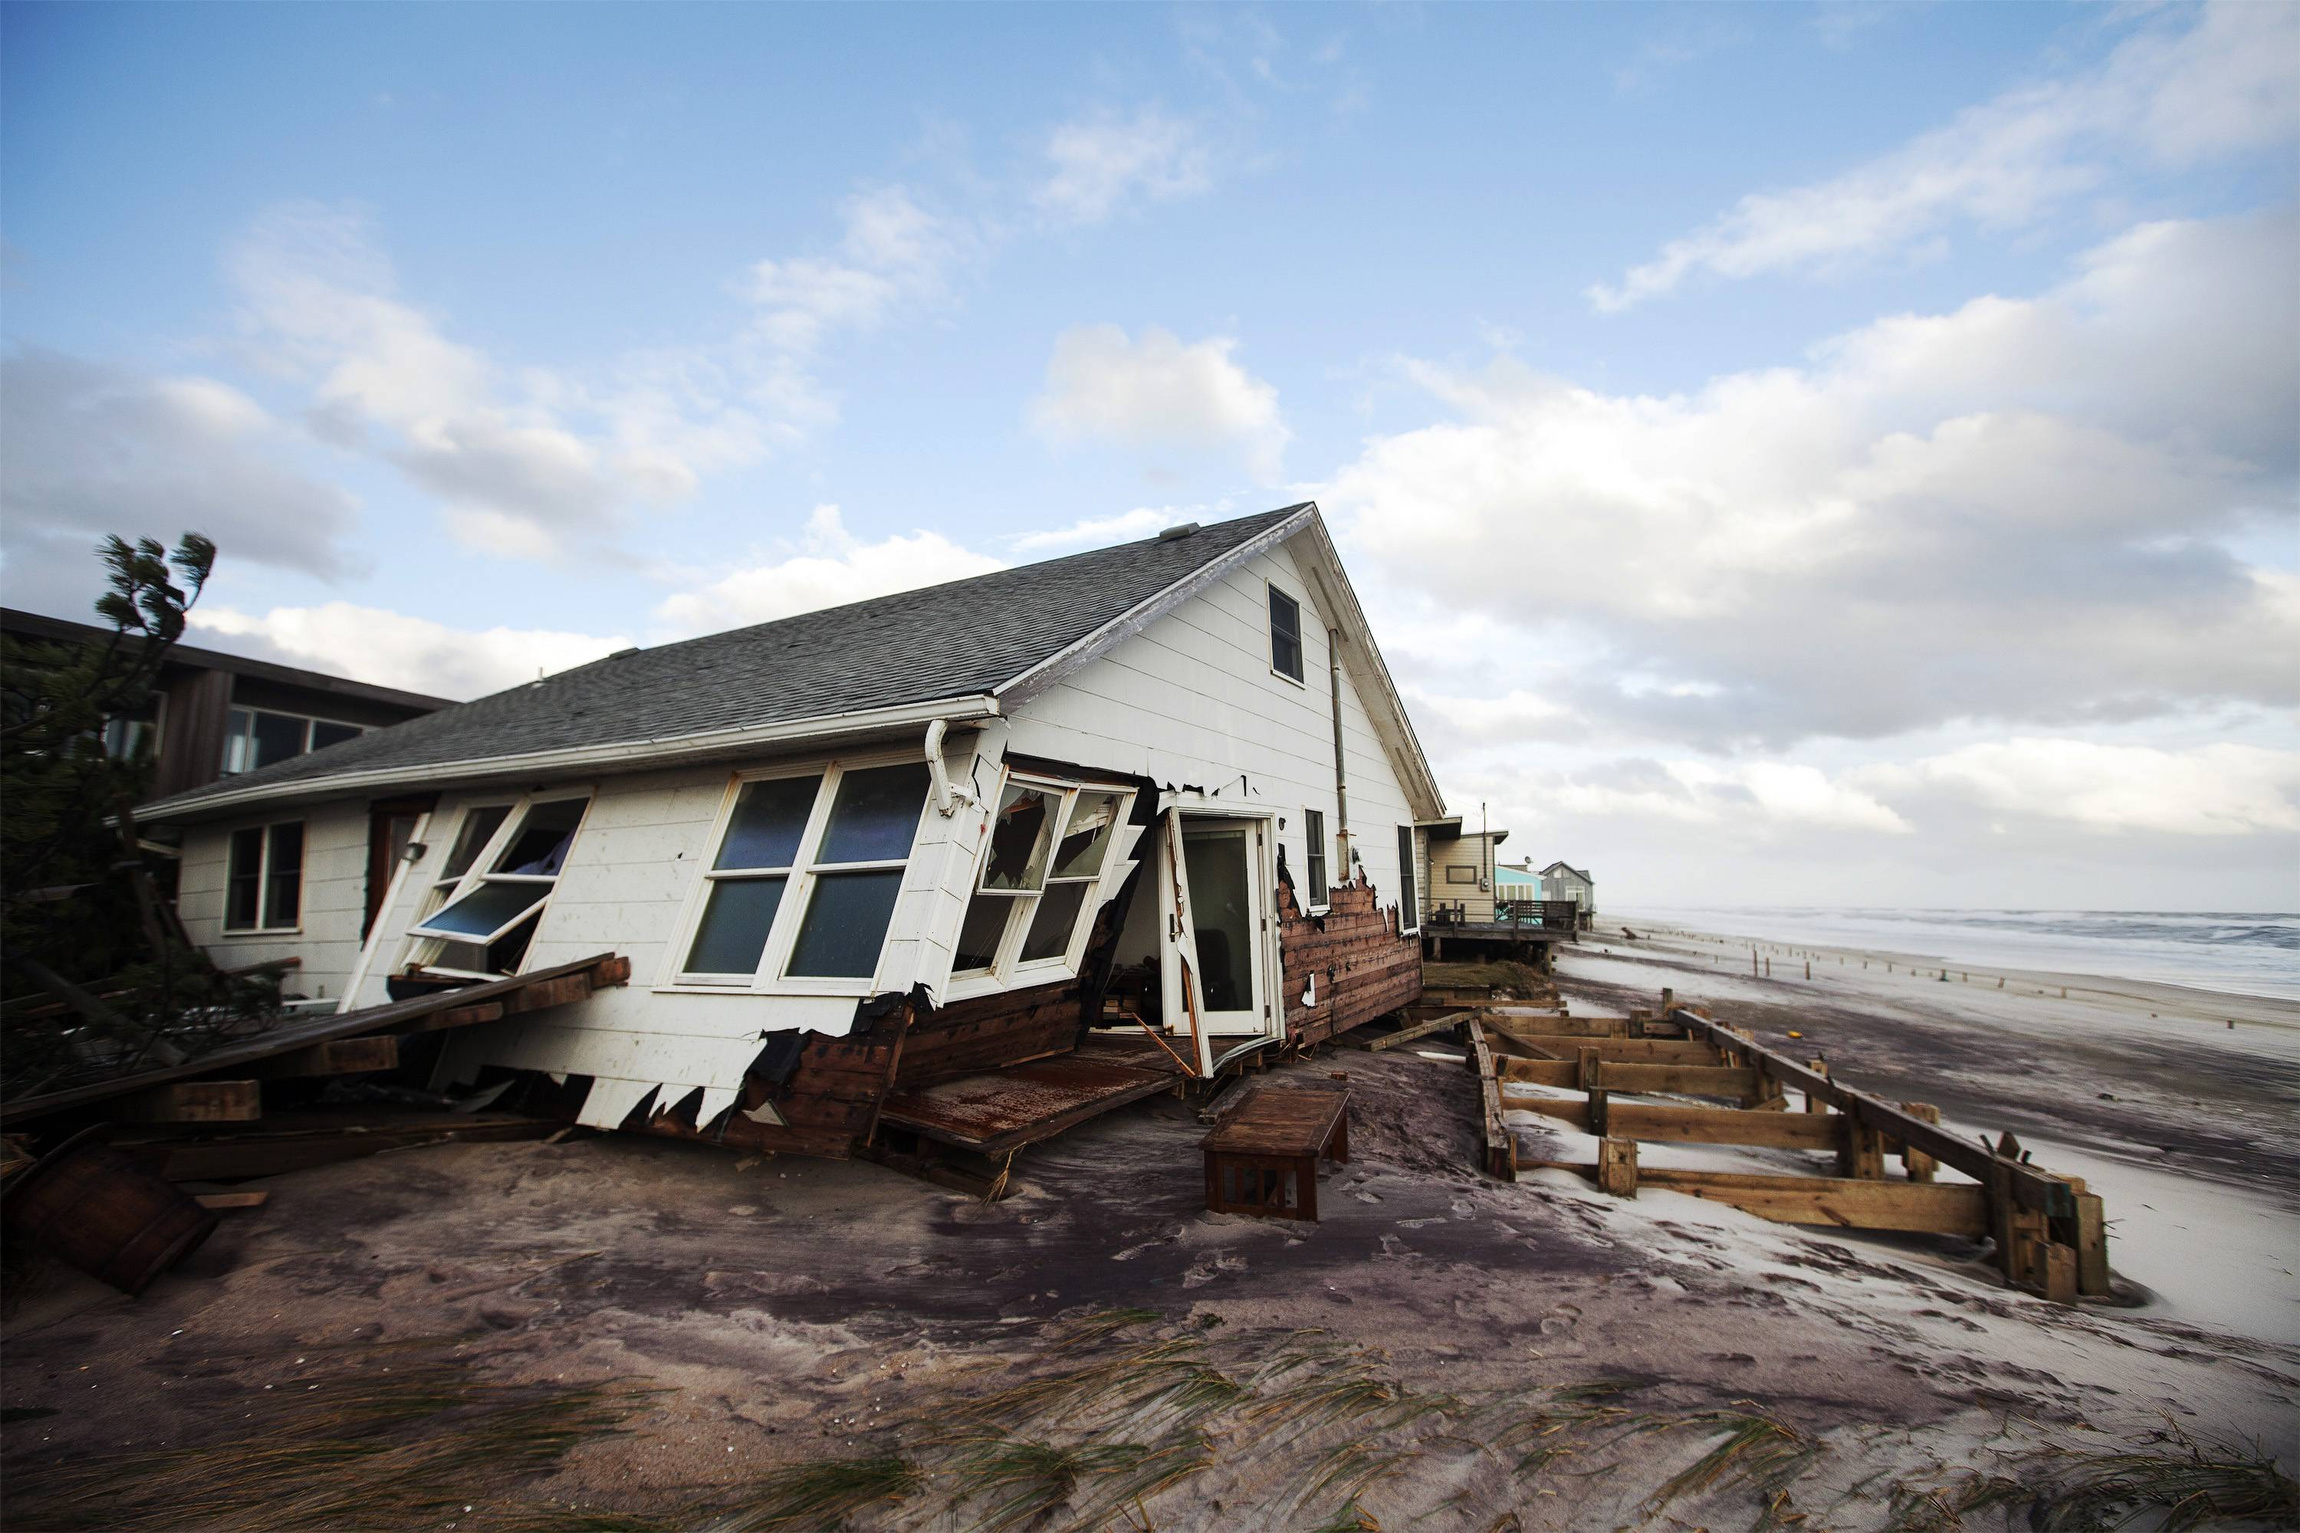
1841, 455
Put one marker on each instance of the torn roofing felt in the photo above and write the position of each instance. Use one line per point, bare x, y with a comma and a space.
962, 639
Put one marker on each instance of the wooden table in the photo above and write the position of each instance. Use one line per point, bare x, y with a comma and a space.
1262, 1158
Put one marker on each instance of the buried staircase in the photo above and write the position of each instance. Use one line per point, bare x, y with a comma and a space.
2049, 1233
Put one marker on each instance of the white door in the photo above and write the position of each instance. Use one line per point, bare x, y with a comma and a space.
1216, 967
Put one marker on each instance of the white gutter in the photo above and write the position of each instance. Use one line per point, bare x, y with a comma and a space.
585, 760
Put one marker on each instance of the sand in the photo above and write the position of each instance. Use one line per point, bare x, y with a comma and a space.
796, 1311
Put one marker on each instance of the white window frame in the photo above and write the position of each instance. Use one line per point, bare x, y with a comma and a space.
1301, 636
1319, 856
1007, 970
264, 880
424, 947
309, 721
800, 878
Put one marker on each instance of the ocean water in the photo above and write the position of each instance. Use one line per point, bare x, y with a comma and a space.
2247, 952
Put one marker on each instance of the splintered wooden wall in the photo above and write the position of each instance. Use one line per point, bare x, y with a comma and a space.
1354, 955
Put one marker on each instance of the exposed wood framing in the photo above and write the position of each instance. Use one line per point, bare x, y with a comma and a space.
1361, 965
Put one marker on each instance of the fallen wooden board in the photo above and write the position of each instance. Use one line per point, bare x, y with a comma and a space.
1690, 1125
1500, 1144
398, 1017
274, 1151
1364, 1038
1635, 1079
225, 1201
1643, 1051
1925, 1208
193, 1102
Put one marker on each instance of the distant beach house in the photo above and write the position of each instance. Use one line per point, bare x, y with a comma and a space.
1517, 883
1162, 795
1461, 869
1562, 881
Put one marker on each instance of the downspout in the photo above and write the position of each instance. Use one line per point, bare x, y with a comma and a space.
947, 794
1341, 778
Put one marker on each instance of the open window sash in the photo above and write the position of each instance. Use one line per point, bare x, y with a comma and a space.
467, 919
1181, 995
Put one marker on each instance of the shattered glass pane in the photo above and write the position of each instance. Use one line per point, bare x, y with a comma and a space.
1087, 838
979, 934
540, 848
1018, 838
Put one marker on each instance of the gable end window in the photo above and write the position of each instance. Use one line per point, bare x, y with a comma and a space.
1314, 826
1285, 635
263, 880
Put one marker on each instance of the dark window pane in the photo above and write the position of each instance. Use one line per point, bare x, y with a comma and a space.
735, 924
283, 884
239, 742
245, 879
979, 934
1086, 839
1409, 911
846, 925
876, 816
278, 736
479, 827
1221, 908
505, 953
769, 818
486, 908
1314, 826
1285, 634
324, 734
1050, 928
1018, 838
543, 839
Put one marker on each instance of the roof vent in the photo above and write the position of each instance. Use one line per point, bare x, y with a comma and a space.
1177, 533
619, 654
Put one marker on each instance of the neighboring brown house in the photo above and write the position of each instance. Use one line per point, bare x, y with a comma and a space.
214, 715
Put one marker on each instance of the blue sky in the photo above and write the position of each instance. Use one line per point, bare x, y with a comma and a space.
1828, 453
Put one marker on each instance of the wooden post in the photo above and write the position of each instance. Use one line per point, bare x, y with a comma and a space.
1617, 1167
2091, 1246
1592, 1075
1916, 1163
2059, 1271
1813, 1103
1860, 1149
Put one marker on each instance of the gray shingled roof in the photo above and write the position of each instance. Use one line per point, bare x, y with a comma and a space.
961, 639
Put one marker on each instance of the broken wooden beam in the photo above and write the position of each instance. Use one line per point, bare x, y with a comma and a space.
1636, 1079
193, 1102
337, 1056
1363, 1038
1932, 1208
1692, 1125
224, 1202
311, 1142
1640, 1051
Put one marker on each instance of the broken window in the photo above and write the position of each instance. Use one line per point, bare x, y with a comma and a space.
258, 737
482, 909
263, 878
1285, 635
1314, 827
1033, 900
830, 846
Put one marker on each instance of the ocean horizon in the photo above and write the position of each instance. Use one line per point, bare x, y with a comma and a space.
2243, 952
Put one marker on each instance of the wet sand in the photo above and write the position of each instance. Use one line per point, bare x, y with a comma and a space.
793, 1308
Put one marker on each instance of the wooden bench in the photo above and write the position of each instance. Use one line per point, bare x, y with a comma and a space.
1262, 1158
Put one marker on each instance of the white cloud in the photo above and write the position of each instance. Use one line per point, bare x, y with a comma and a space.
1125, 527
524, 461
1159, 394
893, 252
390, 649
1710, 794
1101, 163
2211, 790
2022, 510
94, 450
829, 568
2168, 96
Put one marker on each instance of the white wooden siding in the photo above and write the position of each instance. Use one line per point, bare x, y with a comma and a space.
334, 898
1192, 701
